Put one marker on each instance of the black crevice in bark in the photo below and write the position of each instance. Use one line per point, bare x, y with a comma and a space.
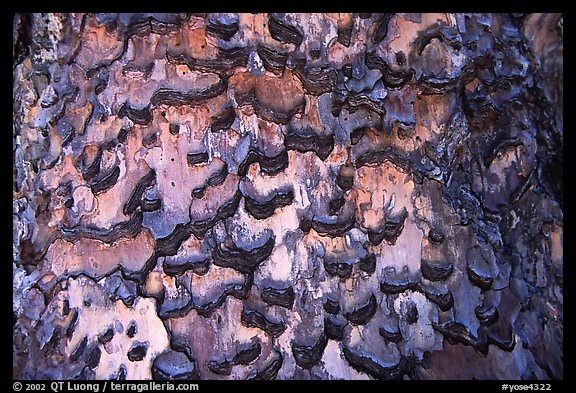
166, 96
283, 297
174, 365
332, 306
239, 291
322, 145
355, 101
343, 224
176, 306
457, 333
336, 204
273, 60
443, 299
381, 28
51, 345
436, 271
390, 288
137, 352
197, 158
316, 80
366, 364
283, 32
334, 327
270, 370
229, 208
362, 314
440, 32
220, 29
144, 69
391, 79
436, 236
391, 336
223, 367
149, 141
335, 267
94, 358
149, 25
226, 210
487, 315
219, 177
268, 165
357, 134
248, 354
106, 182
126, 229
498, 146
169, 245
345, 34
105, 336
368, 263
224, 65
501, 343
273, 115
72, 324
224, 120
139, 116
431, 85
386, 154
23, 39
307, 356
79, 350
139, 189
265, 209
252, 318
244, 261
89, 169
411, 312
481, 279
345, 177
390, 230
150, 205
174, 267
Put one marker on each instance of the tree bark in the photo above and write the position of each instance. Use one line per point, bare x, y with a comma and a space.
291, 196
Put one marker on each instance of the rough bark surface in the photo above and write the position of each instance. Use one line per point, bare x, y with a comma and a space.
309, 196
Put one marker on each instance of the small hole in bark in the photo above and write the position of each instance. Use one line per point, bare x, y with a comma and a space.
137, 352
400, 58
66, 307
173, 184
132, 329
163, 114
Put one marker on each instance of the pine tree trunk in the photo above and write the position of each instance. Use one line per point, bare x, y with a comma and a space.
290, 196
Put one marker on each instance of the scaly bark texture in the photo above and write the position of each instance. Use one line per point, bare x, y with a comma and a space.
291, 196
